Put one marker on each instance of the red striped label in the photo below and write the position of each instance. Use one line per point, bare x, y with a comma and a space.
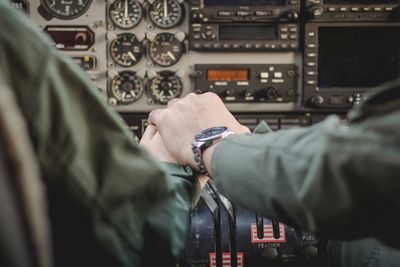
268, 234
226, 259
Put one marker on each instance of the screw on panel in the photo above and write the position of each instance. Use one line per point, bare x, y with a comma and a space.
112, 101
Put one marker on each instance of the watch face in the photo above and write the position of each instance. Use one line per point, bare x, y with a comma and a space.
210, 134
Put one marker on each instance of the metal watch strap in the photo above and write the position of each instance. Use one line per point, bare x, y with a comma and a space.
198, 152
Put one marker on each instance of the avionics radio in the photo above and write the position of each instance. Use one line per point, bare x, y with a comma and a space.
244, 37
244, 83
244, 25
243, 10
352, 10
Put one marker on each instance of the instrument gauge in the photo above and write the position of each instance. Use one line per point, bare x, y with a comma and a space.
166, 14
126, 14
126, 50
165, 86
64, 9
165, 49
126, 87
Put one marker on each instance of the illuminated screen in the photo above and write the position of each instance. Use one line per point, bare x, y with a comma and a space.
227, 75
244, 2
359, 1
357, 56
247, 32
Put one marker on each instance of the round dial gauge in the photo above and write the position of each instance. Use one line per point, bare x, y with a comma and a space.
126, 50
126, 87
126, 14
66, 9
166, 14
165, 87
166, 50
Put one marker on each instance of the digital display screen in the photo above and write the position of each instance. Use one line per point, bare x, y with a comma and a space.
357, 56
228, 75
244, 2
359, 1
247, 32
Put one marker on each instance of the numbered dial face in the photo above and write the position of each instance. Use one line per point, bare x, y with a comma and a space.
166, 14
165, 50
66, 9
126, 14
165, 87
126, 50
126, 87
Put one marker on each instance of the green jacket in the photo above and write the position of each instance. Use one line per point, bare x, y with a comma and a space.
336, 180
110, 203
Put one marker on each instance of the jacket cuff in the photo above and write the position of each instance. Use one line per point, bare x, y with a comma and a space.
185, 175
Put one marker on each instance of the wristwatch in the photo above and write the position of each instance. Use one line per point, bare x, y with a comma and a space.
205, 139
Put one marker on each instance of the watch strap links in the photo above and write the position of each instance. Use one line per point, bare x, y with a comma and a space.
197, 153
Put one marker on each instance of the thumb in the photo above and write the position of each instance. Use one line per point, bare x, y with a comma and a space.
155, 116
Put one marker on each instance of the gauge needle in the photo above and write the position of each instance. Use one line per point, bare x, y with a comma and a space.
126, 9
130, 54
171, 55
165, 9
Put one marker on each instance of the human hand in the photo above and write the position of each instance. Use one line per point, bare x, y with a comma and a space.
152, 142
186, 117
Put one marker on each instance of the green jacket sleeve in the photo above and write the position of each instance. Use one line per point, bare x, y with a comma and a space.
331, 179
106, 196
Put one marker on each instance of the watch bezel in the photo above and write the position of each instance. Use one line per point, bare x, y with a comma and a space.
204, 136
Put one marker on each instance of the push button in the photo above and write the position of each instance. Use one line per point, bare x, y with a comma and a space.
226, 13
263, 13
243, 13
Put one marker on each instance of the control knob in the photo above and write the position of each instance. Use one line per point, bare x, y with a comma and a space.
270, 253
316, 11
271, 93
293, 15
197, 16
249, 93
310, 252
230, 92
350, 100
317, 101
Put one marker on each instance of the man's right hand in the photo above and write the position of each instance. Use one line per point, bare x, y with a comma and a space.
186, 117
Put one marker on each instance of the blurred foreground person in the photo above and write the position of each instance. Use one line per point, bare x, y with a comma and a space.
110, 203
